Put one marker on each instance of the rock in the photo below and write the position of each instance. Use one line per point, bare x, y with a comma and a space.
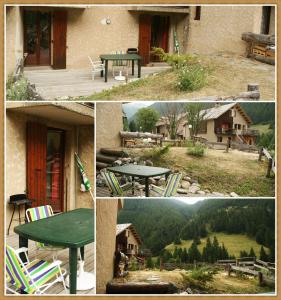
126, 160
152, 181
194, 189
207, 191
233, 194
193, 181
216, 194
149, 163
117, 162
161, 182
185, 184
201, 193
196, 184
136, 159
157, 177
64, 98
182, 191
186, 178
188, 291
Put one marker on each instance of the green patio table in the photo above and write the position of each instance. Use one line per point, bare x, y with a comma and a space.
73, 230
140, 171
126, 57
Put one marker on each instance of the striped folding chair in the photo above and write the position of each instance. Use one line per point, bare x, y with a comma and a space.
112, 183
42, 212
171, 187
32, 277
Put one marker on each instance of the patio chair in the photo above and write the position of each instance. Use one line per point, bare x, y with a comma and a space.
42, 212
171, 187
112, 183
34, 277
120, 64
97, 67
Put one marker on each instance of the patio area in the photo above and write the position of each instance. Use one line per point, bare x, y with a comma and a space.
57, 289
60, 84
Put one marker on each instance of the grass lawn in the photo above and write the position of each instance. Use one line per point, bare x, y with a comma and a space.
234, 243
218, 171
262, 128
229, 76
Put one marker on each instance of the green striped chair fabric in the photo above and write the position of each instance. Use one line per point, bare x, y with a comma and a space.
37, 213
171, 187
112, 182
33, 277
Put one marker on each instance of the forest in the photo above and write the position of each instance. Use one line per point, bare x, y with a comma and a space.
161, 222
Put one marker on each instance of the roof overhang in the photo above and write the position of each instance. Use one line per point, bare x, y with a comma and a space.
68, 113
160, 9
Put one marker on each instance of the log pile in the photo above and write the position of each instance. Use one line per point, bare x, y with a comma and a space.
129, 139
260, 47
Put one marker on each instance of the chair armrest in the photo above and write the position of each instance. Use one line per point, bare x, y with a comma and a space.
56, 263
156, 189
21, 250
126, 186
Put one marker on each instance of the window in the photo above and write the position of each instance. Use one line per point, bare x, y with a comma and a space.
197, 16
219, 139
239, 126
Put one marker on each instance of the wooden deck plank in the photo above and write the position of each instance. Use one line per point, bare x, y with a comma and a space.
63, 255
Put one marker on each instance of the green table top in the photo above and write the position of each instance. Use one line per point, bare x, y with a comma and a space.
120, 57
72, 229
139, 171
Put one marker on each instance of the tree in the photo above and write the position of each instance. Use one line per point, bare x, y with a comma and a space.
132, 126
252, 253
149, 263
146, 119
177, 240
125, 124
194, 117
193, 253
173, 114
263, 255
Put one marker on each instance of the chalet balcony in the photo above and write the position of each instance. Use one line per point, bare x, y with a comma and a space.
130, 252
246, 132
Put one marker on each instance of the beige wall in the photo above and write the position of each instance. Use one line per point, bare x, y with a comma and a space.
220, 28
16, 159
132, 240
239, 119
109, 122
106, 220
14, 38
272, 21
210, 135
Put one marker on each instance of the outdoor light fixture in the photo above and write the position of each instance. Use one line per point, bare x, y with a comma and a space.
189, 126
108, 21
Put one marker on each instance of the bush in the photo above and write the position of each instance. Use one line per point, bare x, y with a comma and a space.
197, 150
191, 78
17, 90
203, 274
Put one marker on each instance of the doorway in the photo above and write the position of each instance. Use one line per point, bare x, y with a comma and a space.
45, 166
153, 32
37, 38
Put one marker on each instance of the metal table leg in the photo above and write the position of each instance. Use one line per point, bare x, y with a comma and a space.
106, 70
101, 72
23, 242
133, 67
72, 270
146, 187
139, 69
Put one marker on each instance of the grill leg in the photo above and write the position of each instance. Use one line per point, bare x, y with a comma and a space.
11, 219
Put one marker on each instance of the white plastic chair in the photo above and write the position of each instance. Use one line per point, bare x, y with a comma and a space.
97, 67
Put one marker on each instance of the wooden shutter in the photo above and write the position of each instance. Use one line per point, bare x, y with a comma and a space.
144, 38
36, 163
59, 39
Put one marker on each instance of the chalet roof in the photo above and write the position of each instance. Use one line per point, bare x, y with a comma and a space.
216, 111
122, 227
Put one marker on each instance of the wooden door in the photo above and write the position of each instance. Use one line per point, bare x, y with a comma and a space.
59, 39
36, 163
37, 38
144, 37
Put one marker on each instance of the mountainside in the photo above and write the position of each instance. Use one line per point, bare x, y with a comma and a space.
258, 112
161, 222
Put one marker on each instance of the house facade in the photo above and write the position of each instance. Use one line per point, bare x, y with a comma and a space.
63, 36
41, 139
106, 222
221, 124
127, 239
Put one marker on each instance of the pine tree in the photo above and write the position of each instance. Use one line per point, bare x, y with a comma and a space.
177, 240
193, 253
252, 253
149, 263
263, 255
224, 252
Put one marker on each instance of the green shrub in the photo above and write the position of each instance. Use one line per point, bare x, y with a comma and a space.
197, 150
17, 90
203, 274
191, 78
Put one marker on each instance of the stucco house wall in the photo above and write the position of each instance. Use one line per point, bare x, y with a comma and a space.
16, 159
109, 122
106, 220
210, 135
220, 28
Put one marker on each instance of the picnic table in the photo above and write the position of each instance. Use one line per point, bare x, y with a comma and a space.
140, 171
73, 230
121, 57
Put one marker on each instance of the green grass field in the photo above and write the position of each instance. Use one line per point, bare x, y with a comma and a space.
262, 128
233, 242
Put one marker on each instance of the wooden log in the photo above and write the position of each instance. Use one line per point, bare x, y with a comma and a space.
106, 159
260, 154
128, 134
249, 95
101, 165
114, 152
265, 59
244, 270
140, 288
258, 38
269, 167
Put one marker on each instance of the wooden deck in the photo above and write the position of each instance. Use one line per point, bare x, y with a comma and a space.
55, 84
57, 289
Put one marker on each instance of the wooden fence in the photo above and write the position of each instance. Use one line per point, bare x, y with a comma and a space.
271, 161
